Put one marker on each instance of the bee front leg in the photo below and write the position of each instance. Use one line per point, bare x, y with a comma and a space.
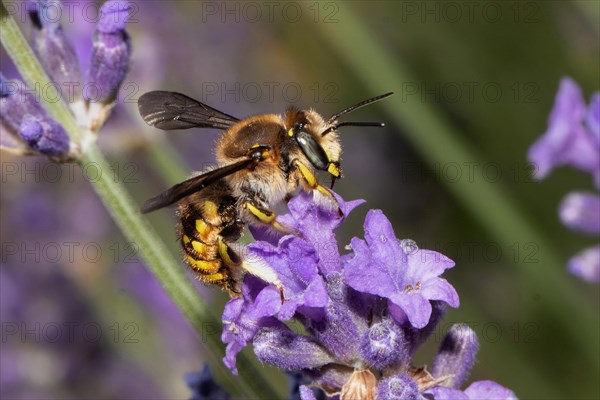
311, 180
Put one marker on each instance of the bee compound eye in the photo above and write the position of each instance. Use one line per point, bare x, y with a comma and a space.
312, 150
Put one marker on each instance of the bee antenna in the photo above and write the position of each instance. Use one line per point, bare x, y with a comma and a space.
332, 127
358, 105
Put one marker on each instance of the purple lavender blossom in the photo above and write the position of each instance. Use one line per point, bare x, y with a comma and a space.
111, 52
44, 136
570, 138
53, 47
573, 138
360, 334
29, 129
28, 122
409, 281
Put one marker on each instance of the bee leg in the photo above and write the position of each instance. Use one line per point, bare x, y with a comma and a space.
311, 180
264, 215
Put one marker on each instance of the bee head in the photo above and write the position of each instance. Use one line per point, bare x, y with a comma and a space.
323, 152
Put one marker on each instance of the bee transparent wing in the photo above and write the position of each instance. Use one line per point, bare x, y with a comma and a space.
171, 110
192, 185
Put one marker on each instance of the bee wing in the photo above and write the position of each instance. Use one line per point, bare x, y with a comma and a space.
171, 110
192, 185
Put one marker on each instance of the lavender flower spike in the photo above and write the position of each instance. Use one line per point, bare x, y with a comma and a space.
363, 314
110, 54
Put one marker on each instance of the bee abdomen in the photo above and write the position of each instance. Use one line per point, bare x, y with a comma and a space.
206, 250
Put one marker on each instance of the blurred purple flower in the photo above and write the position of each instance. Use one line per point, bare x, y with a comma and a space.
573, 138
111, 52
586, 264
53, 48
30, 128
361, 323
28, 122
568, 141
44, 136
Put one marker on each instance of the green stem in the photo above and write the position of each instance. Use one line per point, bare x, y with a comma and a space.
125, 213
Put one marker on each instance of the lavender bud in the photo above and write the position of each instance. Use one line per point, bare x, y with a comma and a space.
384, 344
456, 355
16, 102
399, 387
52, 46
44, 136
281, 347
110, 54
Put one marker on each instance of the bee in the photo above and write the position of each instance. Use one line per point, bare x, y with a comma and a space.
262, 160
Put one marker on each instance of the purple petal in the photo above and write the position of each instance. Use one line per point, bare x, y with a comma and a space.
383, 244
409, 280
294, 262
316, 224
566, 141
586, 264
243, 317
426, 264
416, 307
366, 276
581, 212
456, 355
440, 289
489, 390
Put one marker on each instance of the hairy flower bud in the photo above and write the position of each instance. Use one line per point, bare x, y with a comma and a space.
384, 344
456, 355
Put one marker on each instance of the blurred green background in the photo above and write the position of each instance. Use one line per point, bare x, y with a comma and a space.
474, 83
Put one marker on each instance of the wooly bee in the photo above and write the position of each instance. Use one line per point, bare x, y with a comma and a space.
261, 160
